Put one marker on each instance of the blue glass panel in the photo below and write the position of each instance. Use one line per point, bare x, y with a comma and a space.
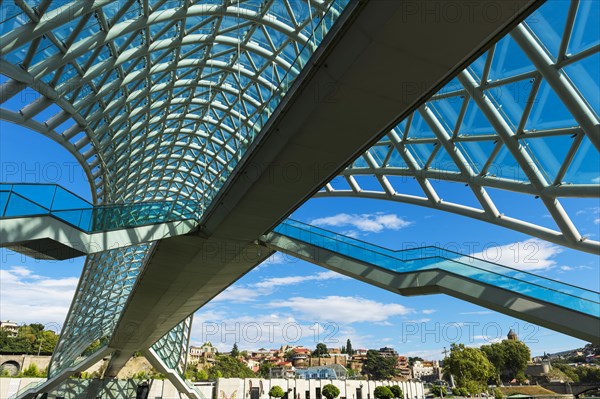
65, 199
585, 31
475, 122
511, 100
4, 195
548, 153
548, 24
477, 152
419, 128
585, 167
443, 161
427, 258
509, 60
586, 77
421, 152
505, 166
41, 194
548, 111
448, 110
21, 206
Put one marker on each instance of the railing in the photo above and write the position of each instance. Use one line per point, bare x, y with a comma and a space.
25, 200
31, 385
429, 258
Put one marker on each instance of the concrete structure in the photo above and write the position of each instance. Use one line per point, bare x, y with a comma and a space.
433, 270
241, 112
13, 364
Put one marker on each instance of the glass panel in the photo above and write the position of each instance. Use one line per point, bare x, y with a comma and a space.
428, 258
21, 206
41, 194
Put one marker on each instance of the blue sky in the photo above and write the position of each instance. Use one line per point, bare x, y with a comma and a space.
287, 300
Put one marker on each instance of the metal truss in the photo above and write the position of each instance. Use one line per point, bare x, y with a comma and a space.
172, 349
521, 120
103, 291
157, 99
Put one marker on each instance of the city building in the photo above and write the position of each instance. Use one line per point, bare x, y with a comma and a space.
426, 370
388, 352
184, 117
10, 326
403, 368
202, 354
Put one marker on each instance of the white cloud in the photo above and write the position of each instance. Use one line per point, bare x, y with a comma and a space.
265, 287
480, 312
428, 311
368, 223
349, 309
529, 255
276, 282
27, 298
566, 268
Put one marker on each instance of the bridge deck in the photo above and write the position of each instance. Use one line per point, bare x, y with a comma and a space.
562, 307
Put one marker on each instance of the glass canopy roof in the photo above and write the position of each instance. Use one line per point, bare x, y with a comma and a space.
521, 122
158, 100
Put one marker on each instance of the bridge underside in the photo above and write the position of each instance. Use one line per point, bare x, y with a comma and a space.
424, 271
249, 109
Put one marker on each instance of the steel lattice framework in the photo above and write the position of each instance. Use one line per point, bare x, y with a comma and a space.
523, 119
157, 100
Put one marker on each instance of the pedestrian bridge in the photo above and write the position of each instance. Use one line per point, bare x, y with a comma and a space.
417, 271
46, 221
182, 115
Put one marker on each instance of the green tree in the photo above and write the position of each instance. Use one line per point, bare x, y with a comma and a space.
330, 391
264, 371
498, 394
383, 393
349, 349
229, 367
379, 367
321, 351
397, 391
439, 391
508, 357
517, 357
276, 392
469, 366
235, 352
567, 370
460, 392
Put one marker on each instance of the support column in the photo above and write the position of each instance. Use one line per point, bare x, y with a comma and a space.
58, 379
172, 375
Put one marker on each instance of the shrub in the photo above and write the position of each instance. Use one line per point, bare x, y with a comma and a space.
276, 391
383, 393
439, 391
397, 391
330, 391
